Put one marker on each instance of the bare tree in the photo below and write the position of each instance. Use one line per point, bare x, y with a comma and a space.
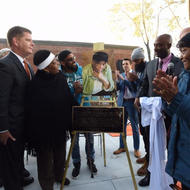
144, 16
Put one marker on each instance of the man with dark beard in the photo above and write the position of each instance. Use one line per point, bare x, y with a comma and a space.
138, 59
73, 73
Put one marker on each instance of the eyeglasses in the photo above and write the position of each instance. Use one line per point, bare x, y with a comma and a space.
71, 59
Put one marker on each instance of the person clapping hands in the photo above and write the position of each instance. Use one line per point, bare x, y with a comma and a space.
165, 86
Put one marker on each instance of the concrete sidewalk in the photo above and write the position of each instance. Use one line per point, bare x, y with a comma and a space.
115, 176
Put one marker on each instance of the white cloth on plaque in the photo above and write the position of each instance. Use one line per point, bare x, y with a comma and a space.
151, 115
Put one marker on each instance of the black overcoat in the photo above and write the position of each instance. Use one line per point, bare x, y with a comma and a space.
48, 109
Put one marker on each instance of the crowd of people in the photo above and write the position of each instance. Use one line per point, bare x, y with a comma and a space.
36, 108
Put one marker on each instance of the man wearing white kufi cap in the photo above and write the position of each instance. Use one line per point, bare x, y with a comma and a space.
48, 117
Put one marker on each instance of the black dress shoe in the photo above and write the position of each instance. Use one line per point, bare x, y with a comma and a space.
27, 180
26, 173
145, 181
67, 181
1, 183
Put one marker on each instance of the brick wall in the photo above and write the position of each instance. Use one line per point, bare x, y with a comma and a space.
82, 51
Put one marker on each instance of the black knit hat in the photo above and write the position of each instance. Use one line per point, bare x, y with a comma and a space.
43, 58
63, 54
184, 42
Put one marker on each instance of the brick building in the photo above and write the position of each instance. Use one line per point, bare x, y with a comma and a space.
82, 51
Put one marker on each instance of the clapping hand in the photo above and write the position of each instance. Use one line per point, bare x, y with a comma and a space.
118, 75
165, 86
132, 76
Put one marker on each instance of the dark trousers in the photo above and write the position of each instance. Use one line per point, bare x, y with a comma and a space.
167, 121
131, 112
11, 165
89, 148
22, 156
51, 164
145, 133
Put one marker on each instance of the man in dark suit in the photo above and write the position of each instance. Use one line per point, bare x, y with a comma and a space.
168, 63
3, 52
14, 75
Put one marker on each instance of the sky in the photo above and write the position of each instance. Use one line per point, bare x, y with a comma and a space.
62, 20
65, 20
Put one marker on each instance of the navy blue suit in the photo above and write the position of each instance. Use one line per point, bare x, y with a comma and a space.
13, 80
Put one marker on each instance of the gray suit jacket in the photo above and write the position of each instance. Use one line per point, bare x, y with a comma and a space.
13, 80
146, 88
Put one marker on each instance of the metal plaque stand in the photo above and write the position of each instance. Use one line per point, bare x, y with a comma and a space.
110, 102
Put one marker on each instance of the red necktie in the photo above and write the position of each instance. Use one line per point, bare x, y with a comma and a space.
27, 69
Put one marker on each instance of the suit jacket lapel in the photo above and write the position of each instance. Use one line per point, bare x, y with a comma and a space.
18, 64
155, 67
173, 59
